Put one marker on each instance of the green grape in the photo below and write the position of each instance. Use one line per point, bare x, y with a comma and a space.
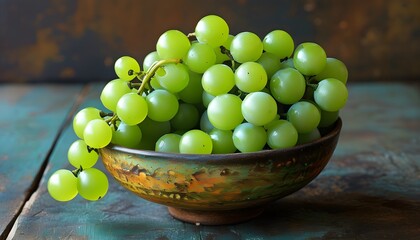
304, 116
221, 56
270, 62
205, 123
172, 44
151, 132
62, 185
250, 77
112, 92
331, 95
150, 59
173, 77
162, 105
126, 68
246, 47
308, 137
281, 134
309, 58
280, 43
333, 69
328, 118
218, 79
287, 86
249, 138
92, 184
195, 142
224, 111
186, 118
287, 63
259, 108
222, 141
193, 92
207, 98
82, 118
80, 156
200, 57
132, 108
168, 143
97, 133
127, 135
212, 30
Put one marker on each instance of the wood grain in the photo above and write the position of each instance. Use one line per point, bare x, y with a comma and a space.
369, 190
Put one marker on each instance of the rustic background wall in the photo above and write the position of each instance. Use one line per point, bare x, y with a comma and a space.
64, 41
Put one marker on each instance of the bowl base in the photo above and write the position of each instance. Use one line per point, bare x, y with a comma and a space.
223, 217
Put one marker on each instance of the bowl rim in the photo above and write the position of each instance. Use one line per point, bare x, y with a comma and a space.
331, 132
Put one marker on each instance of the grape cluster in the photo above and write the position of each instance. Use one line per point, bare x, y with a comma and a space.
208, 92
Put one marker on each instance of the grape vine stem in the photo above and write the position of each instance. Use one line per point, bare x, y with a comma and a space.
152, 70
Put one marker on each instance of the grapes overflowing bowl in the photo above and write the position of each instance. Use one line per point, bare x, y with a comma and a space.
213, 125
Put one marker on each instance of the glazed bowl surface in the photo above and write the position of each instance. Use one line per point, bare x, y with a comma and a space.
220, 188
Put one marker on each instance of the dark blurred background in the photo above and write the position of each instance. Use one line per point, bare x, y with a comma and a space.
79, 40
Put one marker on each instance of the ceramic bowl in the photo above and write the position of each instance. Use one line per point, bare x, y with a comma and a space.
219, 188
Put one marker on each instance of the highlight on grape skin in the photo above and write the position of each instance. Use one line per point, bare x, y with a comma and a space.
210, 91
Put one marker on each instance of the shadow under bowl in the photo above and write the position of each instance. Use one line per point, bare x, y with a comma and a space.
219, 189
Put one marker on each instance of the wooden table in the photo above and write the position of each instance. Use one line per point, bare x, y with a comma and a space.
369, 190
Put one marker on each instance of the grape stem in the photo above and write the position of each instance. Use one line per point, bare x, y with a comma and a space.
152, 70
227, 52
309, 82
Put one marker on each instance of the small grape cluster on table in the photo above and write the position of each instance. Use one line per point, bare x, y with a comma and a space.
207, 92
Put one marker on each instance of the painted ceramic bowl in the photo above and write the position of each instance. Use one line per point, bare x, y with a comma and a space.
219, 188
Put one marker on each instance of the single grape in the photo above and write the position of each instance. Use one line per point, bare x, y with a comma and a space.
222, 141
195, 142
304, 116
150, 59
200, 57
92, 184
173, 77
331, 95
218, 79
333, 69
186, 118
205, 123
168, 143
287, 86
259, 108
309, 58
132, 108
193, 92
172, 44
308, 137
279, 43
224, 111
281, 134
328, 118
250, 77
162, 105
246, 47
80, 156
207, 98
249, 138
82, 118
151, 132
97, 133
62, 185
126, 68
288, 63
212, 30
270, 62
127, 135
112, 92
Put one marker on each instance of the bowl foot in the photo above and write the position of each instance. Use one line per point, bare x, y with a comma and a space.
215, 217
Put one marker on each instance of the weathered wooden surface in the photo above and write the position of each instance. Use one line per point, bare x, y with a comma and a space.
369, 190
80, 40
30, 121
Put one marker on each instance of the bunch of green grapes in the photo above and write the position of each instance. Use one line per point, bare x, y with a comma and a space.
207, 92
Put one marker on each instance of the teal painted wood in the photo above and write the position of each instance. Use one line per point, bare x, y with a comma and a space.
369, 190
30, 120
